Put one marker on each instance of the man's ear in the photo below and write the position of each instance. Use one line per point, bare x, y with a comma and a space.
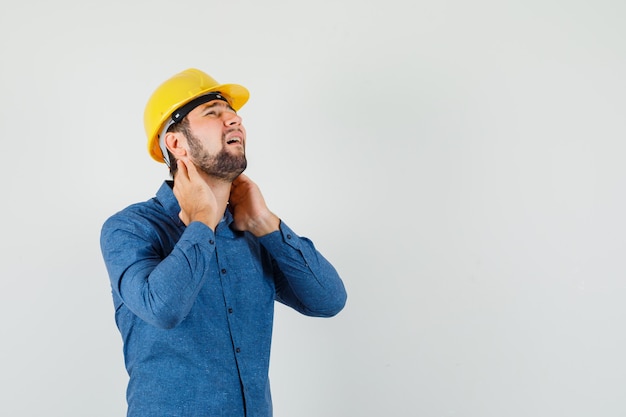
176, 144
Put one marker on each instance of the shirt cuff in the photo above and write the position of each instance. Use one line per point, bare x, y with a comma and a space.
284, 235
197, 233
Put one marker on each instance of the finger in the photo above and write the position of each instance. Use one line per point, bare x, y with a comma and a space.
240, 180
192, 170
182, 168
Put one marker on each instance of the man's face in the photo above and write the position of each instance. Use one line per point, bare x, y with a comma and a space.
217, 140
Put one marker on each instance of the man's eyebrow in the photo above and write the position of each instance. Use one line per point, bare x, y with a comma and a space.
216, 103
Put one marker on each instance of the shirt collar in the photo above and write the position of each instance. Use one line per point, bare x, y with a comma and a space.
165, 196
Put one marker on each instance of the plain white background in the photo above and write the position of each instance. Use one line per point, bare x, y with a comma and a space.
461, 164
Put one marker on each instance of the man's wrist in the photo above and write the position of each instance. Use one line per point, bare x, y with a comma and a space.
266, 225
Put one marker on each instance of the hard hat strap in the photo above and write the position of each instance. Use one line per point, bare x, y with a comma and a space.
184, 110
166, 157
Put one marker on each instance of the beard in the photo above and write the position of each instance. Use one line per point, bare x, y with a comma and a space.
224, 165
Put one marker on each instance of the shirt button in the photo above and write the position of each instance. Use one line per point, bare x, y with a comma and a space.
288, 236
237, 350
211, 242
223, 271
230, 310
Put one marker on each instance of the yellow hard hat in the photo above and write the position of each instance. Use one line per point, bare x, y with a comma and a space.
178, 91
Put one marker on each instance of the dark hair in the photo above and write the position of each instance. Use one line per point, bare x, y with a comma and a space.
180, 127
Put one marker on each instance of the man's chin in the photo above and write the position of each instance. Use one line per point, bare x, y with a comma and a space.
238, 175
240, 172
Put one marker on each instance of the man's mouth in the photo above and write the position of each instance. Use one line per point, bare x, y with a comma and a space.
234, 137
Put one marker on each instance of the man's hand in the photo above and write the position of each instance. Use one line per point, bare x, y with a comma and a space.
249, 210
196, 199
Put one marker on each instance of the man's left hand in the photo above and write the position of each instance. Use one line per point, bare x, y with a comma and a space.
247, 205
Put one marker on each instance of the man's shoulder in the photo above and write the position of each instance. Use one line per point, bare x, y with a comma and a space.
134, 214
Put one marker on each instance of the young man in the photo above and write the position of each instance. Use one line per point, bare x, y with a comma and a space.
195, 271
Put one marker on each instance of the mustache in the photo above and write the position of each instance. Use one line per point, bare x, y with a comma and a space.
233, 129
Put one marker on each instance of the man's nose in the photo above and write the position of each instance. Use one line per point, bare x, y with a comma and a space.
231, 119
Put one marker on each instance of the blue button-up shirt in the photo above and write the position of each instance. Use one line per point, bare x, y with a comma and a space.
195, 308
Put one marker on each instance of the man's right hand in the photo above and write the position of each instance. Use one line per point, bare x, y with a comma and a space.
196, 199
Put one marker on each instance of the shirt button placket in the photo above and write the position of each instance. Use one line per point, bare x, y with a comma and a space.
230, 309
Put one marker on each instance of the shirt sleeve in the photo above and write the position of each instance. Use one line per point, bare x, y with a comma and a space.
158, 287
305, 280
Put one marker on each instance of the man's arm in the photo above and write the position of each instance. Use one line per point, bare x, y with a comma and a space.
305, 280
159, 288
